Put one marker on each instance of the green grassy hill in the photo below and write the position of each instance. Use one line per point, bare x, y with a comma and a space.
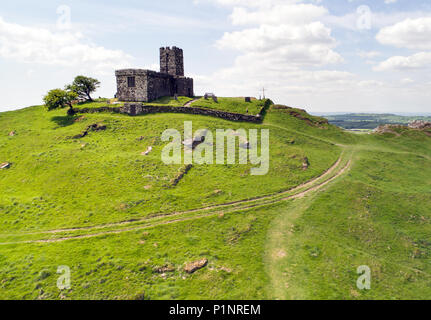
111, 214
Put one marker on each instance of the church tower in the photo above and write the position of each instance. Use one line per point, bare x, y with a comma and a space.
172, 61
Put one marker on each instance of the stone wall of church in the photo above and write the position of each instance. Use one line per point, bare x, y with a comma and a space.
159, 85
184, 87
138, 93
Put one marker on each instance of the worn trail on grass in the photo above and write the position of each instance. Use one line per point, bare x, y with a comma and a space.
189, 104
237, 206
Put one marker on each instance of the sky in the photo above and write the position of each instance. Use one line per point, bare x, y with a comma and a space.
320, 55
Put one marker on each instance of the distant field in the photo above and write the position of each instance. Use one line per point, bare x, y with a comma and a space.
370, 121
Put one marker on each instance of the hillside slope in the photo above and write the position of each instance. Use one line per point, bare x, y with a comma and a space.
97, 205
60, 181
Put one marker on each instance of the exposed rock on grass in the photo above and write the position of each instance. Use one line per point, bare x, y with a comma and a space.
390, 128
96, 127
227, 270
195, 266
5, 165
164, 269
147, 152
79, 136
305, 164
79, 119
12, 133
398, 130
92, 127
419, 124
245, 145
193, 143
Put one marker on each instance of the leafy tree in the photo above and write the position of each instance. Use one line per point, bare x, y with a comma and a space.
84, 86
58, 99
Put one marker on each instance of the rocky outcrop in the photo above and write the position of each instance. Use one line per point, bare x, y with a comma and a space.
420, 124
195, 266
389, 128
398, 129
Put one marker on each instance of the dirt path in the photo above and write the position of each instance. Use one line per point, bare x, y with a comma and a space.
188, 104
276, 256
310, 187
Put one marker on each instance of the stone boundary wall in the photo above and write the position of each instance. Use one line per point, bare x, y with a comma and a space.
135, 109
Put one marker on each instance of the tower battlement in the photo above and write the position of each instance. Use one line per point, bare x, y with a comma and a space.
172, 61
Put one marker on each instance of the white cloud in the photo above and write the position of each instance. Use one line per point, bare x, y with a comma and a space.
277, 52
244, 79
287, 33
377, 19
309, 44
67, 49
369, 54
407, 81
279, 14
370, 83
275, 44
417, 61
410, 33
285, 52
249, 3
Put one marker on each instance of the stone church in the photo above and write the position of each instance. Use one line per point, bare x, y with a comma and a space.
139, 85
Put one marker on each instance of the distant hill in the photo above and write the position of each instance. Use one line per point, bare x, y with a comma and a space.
370, 120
